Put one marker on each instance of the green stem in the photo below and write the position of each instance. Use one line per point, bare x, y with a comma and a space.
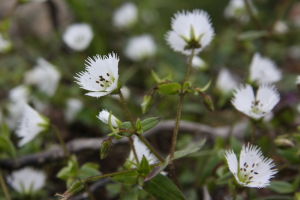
141, 137
96, 178
61, 141
252, 14
179, 107
4, 187
133, 149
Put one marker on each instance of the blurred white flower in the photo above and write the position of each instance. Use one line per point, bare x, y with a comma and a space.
100, 76
253, 169
73, 107
78, 36
237, 9
206, 195
19, 93
32, 123
198, 63
107, 117
44, 76
294, 52
140, 47
27, 180
298, 80
5, 45
255, 106
281, 27
226, 83
190, 30
125, 16
142, 150
263, 70
125, 92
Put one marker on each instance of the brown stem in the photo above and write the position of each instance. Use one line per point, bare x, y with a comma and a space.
4, 187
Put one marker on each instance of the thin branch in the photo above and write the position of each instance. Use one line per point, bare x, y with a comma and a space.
56, 152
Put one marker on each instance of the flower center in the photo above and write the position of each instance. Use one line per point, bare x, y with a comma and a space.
247, 172
105, 82
256, 107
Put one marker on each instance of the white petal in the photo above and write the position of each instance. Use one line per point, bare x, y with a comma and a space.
268, 96
226, 82
27, 179
125, 16
243, 98
264, 70
232, 162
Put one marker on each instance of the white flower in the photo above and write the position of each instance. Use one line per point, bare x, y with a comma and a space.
140, 47
142, 150
78, 36
15, 110
125, 16
237, 9
32, 123
281, 27
264, 70
100, 76
44, 76
198, 63
226, 83
19, 93
190, 30
73, 108
107, 117
4, 44
253, 169
27, 180
125, 92
255, 106
298, 80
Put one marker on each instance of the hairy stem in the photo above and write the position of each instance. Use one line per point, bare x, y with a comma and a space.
4, 187
141, 137
179, 107
61, 141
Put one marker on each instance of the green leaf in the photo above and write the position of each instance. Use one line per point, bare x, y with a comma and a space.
7, 146
146, 103
70, 170
127, 178
281, 187
251, 35
88, 169
191, 148
105, 147
169, 88
205, 87
162, 188
149, 123
155, 77
144, 167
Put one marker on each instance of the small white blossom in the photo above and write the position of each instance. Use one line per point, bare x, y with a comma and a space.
100, 76
140, 47
125, 92
198, 63
281, 27
107, 117
27, 180
142, 150
32, 123
298, 80
125, 16
190, 30
253, 169
5, 45
263, 70
44, 76
226, 83
237, 9
255, 106
19, 93
73, 108
78, 36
